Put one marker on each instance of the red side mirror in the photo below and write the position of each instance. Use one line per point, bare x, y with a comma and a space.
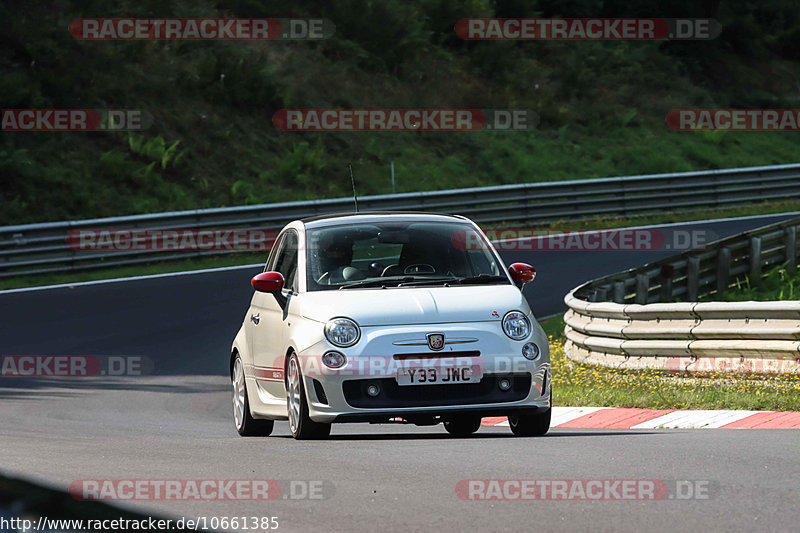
268, 282
522, 272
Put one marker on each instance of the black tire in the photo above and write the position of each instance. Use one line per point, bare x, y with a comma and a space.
247, 426
463, 425
530, 425
300, 424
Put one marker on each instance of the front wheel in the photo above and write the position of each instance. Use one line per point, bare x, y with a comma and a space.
300, 424
533, 425
246, 425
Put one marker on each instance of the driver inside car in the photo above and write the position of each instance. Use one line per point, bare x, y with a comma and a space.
422, 256
335, 255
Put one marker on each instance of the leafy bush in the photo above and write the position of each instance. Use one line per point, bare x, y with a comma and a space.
778, 283
212, 143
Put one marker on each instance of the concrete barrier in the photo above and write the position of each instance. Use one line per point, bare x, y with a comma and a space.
748, 337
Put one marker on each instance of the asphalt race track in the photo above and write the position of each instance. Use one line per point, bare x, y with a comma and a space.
394, 478
177, 424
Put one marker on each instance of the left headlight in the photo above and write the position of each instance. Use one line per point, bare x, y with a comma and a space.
516, 325
342, 332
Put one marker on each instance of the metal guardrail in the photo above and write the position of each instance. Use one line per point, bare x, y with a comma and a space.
702, 271
754, 337
41, 248
642, 329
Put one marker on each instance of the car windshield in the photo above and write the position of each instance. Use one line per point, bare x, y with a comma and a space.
399, 254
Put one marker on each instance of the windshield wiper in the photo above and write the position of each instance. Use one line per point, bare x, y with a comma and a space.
411, 281
471, 280
479, 279
427, 281
375, 282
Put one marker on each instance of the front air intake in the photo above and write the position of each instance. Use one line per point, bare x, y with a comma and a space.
320, 392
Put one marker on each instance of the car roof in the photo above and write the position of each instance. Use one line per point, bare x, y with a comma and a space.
367, 217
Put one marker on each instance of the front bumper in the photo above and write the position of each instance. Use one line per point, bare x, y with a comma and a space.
432, 417
341, 395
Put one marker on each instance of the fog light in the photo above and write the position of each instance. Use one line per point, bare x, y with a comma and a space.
530, 351
504, 384
373, 390
333, 359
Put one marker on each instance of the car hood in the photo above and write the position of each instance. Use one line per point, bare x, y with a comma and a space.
413, 305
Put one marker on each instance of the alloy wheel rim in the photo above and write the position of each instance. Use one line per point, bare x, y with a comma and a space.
238, 393
294, 395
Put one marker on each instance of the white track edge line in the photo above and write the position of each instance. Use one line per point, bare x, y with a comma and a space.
130, 278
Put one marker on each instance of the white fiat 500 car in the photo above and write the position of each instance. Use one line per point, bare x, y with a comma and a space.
389, 317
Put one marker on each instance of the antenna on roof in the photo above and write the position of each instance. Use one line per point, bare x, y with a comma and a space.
353, 181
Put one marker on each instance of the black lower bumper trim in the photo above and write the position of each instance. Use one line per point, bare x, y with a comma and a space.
440, 413
393, 395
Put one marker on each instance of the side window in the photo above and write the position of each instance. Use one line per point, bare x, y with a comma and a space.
273, 254
286, 262
481, 263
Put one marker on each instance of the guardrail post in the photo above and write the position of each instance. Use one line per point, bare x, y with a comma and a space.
642, 286
600, 294
791, 247
723, 269
692, 277
755, 260
667, 272
619, 292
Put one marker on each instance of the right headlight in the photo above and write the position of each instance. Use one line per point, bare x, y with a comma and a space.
342, 332
516, 325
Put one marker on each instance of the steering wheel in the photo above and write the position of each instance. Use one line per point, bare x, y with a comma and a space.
419, 268
340, 275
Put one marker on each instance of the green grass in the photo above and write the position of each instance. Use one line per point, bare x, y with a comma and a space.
647, 219
778, 283
554, 327
601, 104
578, 384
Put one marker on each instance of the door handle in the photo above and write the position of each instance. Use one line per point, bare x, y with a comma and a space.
256, 318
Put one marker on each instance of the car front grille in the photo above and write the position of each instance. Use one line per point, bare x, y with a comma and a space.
393, 395
436, 355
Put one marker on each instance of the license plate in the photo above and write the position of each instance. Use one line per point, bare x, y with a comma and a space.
440, 375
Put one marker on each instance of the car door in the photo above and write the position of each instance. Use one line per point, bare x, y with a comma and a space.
253, 317
273, 320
